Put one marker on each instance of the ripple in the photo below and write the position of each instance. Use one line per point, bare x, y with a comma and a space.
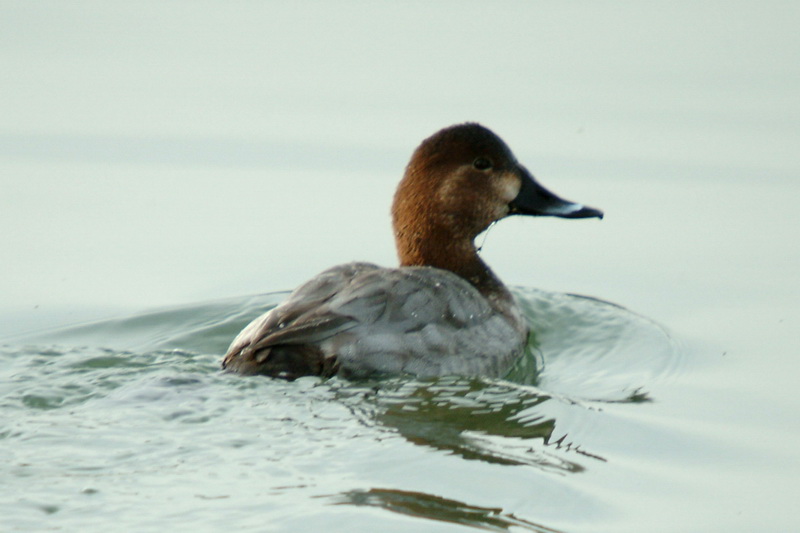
583, 352
588, 349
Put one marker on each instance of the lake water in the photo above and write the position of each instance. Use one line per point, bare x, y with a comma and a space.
168, 171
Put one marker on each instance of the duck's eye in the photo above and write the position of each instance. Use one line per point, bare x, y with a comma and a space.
482, 163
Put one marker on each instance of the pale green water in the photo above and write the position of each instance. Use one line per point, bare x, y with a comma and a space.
131, 421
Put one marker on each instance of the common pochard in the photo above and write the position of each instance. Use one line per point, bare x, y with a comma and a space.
442, 311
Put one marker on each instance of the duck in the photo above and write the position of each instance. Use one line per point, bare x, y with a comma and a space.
442, 311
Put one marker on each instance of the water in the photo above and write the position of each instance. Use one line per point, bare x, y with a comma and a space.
596, 424
165, 158
135, 411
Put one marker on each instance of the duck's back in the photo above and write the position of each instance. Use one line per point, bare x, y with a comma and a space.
360, 319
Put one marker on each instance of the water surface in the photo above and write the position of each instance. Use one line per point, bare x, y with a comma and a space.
107, 416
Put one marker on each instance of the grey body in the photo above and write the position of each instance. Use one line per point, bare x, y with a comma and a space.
359, 319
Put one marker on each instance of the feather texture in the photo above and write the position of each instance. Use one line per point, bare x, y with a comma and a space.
360, 319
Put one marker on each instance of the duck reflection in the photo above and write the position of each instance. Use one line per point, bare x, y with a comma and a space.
493, 421
431, 507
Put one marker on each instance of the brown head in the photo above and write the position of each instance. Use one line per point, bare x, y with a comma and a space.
459, 181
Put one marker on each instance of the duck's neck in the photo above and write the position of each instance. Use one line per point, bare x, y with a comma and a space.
441, 249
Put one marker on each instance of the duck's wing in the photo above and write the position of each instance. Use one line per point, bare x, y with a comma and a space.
304, 318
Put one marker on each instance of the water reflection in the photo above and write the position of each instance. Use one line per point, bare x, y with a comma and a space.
493, 421
431, 507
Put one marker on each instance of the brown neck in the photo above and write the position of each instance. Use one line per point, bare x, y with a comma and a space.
440, 248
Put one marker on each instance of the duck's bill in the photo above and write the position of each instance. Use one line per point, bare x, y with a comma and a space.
535, 200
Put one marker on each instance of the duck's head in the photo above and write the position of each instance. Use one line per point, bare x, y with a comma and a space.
458, 182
